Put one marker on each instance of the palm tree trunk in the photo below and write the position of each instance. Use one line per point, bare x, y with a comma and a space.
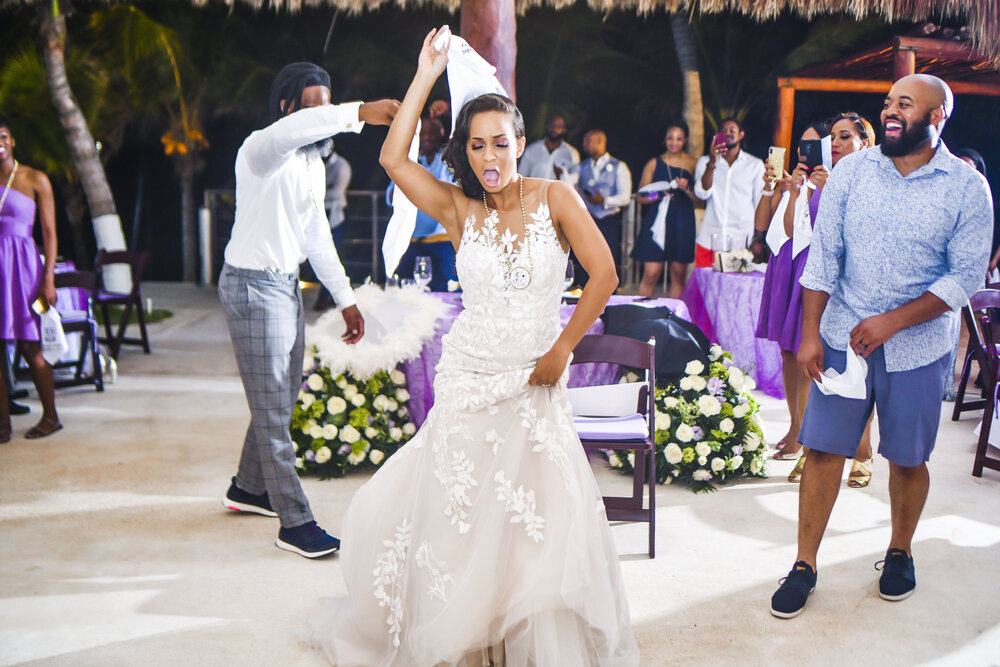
490, 27
107, 224
189, 224
687, 56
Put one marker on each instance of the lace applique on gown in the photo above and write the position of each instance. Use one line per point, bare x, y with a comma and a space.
486, 531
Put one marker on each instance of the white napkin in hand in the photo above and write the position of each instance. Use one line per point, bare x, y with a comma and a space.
802, 231
469, 76
776, 235
399, 231
850, 383
659, 228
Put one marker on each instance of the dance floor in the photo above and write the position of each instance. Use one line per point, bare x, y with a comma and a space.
115, 549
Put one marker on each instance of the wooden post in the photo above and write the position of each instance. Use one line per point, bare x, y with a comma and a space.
490, 27
786, 112
904, 62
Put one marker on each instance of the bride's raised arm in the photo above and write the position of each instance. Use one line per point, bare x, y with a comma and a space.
436, 198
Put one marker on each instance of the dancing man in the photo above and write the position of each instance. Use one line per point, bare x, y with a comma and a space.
280, 185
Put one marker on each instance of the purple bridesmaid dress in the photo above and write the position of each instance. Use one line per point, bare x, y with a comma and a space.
21, 267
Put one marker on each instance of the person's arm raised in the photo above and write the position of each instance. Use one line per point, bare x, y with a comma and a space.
577, 227
435, 198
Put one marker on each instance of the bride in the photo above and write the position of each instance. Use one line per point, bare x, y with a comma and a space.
484, 539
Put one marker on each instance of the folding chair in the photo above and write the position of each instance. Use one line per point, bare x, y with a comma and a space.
988, 357
133, 299
632, 431
81, 322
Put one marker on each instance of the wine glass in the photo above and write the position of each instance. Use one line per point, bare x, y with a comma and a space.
422, 271
568, 280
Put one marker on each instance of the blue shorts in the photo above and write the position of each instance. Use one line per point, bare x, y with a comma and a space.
908, 403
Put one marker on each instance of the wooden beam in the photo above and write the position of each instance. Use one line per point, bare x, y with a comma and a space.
873, 86
929, 47
904, 62
786, 112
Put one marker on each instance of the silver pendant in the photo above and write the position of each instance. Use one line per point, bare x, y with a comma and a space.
520, 278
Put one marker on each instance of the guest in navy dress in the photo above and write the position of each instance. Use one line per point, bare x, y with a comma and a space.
669, 240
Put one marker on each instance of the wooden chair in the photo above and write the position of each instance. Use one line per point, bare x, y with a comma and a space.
962, 405
81, 322
981, 307
132, 300
630, 432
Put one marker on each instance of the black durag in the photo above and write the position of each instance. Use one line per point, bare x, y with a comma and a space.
290, 83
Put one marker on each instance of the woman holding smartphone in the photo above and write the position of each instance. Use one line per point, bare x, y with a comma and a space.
667, 233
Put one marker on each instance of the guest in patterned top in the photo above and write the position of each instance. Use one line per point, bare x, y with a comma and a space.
901, 240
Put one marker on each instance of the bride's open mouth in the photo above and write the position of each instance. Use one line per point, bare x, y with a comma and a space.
491, 177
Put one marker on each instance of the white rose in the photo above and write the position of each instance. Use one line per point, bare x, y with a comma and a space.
749, 383
307, 399
370, 432
315, 382
390, 404
402, 395
349, 434
358, 400
694, 367
300, 463
673, 453
397, 376
751, 442
349, 390
308, 361
702, 461
701, 475
330, 432
735, 378
336, 405
671, 402
323, 454
376, 456
736, 462
698, 382
754, 466
614, 460
702, 449
709, 406
631, 459
409, 428
718, 464
741, 410
396, 433
726, 425
341, 382
379, 403
355, 459
662, 421
316, 432
684, 433
685, 383
714, 353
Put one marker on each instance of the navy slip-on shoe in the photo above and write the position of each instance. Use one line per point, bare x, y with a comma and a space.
791, 597
899, 577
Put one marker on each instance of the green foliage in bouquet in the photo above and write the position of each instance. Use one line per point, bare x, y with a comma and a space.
707, 428
342, 423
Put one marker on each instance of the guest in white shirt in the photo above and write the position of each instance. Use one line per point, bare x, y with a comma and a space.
730, 181
280, 186
606, 186
551, 157
338, 178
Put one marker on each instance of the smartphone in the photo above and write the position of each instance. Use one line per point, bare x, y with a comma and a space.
775, 162
720, 139
816, 152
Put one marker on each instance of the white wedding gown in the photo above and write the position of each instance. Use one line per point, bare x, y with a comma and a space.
484, 539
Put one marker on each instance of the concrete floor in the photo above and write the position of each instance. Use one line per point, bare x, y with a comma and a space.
115, 549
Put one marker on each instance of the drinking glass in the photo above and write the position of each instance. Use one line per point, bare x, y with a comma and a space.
422, 271
568, 281
392, 281
722, 242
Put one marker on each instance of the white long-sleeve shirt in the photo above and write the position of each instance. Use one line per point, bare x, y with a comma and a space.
733, 197
280, 220
538, 162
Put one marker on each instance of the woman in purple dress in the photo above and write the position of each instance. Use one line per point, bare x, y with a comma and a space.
23, 191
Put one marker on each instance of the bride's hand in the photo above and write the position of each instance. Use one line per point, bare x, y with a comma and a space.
434, 60
549, 368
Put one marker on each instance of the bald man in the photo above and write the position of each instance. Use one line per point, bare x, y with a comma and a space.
902, 239
606, 186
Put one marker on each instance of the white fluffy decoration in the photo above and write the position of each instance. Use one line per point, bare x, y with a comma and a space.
398, 321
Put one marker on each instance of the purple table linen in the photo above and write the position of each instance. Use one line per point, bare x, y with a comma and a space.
420, 372
727, 307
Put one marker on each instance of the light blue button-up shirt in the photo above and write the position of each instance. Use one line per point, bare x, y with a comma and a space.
883, 240
426, 225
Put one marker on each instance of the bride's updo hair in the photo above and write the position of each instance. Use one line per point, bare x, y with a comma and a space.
455, 155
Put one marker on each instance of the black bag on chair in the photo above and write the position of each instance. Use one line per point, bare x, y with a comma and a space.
677, 340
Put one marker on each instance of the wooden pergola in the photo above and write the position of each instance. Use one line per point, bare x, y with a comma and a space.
874, 70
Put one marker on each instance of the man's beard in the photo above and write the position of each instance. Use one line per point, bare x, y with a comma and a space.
320, 149
555, 137
909, 139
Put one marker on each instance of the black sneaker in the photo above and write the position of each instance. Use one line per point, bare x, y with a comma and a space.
790, 598
898, 576
239, 500
307, 540
17, 408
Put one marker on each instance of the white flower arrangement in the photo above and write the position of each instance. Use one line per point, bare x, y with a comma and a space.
707, 427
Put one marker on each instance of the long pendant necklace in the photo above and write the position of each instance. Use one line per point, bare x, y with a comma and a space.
10, 181
519, 277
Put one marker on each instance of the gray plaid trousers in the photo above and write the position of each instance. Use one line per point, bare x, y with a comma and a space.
267, 326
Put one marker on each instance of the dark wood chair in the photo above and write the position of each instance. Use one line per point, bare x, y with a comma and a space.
131, 300
982, 307
972, 326
81, 322
634, 432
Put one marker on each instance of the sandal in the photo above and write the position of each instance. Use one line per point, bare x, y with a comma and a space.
861, 473
785, 455
38, 431
5, 432
796, 475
